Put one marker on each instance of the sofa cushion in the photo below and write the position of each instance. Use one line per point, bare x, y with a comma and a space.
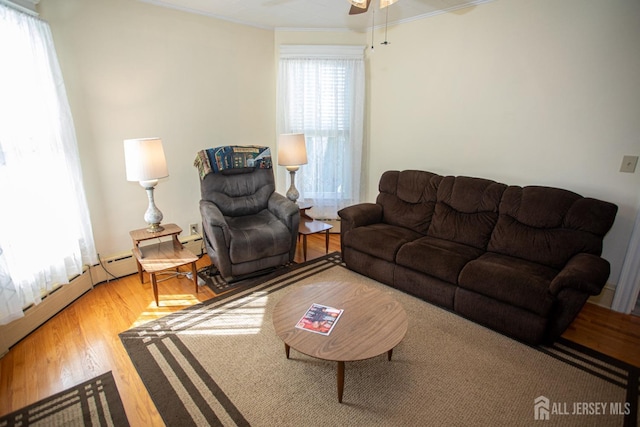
550, 225
466, 210
508, 319
424, 286
511, 280
257, 236
436, 257
408, 198
379, 240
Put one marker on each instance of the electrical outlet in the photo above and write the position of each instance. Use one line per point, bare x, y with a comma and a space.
629, 164
194, 229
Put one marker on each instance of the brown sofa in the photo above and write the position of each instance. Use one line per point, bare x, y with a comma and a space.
520, 260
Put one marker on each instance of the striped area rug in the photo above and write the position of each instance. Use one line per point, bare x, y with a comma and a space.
221, 363
93, 403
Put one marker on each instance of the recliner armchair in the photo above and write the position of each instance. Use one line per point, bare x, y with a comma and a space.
247, 226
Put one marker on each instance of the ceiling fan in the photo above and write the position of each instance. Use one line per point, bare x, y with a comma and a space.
361, 6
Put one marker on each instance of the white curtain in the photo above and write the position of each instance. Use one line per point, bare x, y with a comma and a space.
321, 94
45, 231
628, 289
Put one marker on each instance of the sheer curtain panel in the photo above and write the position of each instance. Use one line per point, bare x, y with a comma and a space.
45, 231
321, 94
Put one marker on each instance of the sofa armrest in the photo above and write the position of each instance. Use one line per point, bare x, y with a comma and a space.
360, 215
214, 222
584, 272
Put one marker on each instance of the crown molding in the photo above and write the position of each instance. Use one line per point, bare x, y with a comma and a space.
199, 12
24, 6
470, 3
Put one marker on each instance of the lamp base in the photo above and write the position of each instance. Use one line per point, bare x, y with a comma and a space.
154, 228
292, 192
153, 216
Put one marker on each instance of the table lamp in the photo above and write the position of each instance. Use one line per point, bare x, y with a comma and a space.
145, 163
292, 152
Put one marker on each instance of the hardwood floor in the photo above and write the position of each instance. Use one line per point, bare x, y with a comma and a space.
82, 341
609, 332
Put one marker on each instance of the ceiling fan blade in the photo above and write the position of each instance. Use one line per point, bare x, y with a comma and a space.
355, 10
386, 3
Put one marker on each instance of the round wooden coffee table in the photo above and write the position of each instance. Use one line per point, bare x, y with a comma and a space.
371, 324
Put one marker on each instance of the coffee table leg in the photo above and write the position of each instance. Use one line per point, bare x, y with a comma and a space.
389, 353
340, 380
286, 350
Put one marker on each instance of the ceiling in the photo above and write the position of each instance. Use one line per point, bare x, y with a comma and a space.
314, 14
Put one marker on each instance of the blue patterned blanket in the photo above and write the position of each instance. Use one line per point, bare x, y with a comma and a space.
232, 157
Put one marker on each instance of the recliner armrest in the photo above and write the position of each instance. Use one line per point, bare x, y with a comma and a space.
361, 214
584, 272
213, 218
289, 213
285, 210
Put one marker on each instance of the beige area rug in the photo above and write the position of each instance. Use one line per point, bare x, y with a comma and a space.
93, 403
221, 363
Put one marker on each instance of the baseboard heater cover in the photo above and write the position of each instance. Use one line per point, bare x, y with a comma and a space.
119, 265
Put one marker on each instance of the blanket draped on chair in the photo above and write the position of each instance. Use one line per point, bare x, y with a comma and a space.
232, 157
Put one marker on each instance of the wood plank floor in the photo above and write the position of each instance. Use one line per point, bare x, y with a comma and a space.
82, 341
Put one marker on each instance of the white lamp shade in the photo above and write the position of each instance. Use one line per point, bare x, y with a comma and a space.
144, 159
385, 3
292, 149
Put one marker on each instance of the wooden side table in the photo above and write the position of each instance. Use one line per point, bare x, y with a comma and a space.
309, 225
161, 256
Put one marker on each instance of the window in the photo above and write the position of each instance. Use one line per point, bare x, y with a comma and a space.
45, 233
321, 94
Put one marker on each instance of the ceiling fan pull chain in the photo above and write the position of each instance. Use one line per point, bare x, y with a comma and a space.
373, 22
386, 24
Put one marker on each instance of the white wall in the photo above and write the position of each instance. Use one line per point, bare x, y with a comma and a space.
525, 92
136, 70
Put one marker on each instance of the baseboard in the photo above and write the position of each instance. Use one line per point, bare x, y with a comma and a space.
36, 315
605, 299
124, 264
112, 267
336, 225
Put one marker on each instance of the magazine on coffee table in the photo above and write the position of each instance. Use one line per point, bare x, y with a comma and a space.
319, 319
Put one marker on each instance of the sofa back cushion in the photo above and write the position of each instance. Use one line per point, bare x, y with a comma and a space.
550, 225
466, 210
408, 198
